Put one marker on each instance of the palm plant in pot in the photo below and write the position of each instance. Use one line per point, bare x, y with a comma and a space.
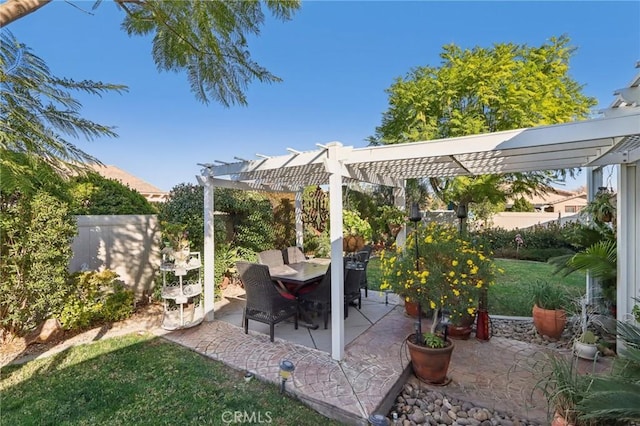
441, 271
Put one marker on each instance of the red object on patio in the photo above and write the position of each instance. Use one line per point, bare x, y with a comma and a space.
482, 327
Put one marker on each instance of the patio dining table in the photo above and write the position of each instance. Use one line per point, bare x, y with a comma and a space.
298, 276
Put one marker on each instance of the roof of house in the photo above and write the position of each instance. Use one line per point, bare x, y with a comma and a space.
555, 196
145, 188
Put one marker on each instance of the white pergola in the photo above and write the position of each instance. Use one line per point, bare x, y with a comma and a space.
591, 144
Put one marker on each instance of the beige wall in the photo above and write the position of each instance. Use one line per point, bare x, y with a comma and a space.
126, 244
520, 220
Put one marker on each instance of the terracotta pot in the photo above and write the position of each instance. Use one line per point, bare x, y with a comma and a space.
411, 308
461, 328
352, 243
459, 332
559, 420
549, 322
429, 364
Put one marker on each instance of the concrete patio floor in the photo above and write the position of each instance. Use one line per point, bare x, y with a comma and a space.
374, 307
499, 374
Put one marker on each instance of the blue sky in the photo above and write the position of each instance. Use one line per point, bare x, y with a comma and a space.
336, 60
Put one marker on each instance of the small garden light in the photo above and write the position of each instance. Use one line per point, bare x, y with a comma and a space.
286, 368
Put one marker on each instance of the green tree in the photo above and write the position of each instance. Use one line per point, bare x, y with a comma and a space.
206, 39
38, 114
520, 204
484, 90
94, 194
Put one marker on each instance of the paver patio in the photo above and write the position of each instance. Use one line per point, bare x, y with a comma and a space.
496, 374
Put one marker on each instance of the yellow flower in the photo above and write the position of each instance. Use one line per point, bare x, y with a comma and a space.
456, 292
474, 270
452, 273
471, 311
429, 239
432, 304
469, 262
454, 263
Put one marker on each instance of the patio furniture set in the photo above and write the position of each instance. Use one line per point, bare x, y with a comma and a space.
286, 285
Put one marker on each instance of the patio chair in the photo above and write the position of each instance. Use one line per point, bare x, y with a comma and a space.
264, 303
319, 300
293, 254
352, 280
271, 258
363, 256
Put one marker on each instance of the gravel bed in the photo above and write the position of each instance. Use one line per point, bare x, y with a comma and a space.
423, 406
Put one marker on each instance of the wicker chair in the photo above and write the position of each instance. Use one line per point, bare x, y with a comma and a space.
319, 300
352, 280
271, 258
293, 254
363, 256
264, 303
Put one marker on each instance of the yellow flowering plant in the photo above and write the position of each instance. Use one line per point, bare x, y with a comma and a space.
448, 271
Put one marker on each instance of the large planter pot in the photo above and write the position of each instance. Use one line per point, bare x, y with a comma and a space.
430, 364
549, 322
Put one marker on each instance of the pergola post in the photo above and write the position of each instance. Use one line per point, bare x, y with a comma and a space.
628, 222
299, 223
400, 201
333, 167
209, 250
594, 181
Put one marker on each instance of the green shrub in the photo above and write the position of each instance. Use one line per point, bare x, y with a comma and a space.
95, 194
98, 297
118, 305
540, 242
35, 237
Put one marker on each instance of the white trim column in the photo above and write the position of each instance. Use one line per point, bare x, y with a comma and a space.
400, 201
299, 223
594, 181
334, 167
628, 222
209, 247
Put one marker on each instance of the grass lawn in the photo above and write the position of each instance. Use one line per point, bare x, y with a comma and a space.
510, 295
141, 380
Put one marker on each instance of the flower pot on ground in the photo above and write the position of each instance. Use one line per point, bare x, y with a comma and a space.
549, 315
439, 270
461, 328
430, 363
586, 346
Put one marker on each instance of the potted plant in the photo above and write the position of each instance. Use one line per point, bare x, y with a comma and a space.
393, 218
601, 209
585, 346
439, 270
356, 231
564, 389
549, 302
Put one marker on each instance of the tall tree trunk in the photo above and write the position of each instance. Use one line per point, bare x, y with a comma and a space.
12, 10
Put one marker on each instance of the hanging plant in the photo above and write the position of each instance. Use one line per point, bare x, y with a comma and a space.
601, 209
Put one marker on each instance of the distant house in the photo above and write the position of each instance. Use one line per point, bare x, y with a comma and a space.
148, 191
556, 201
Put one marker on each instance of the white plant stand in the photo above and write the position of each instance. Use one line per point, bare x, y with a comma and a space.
183, 304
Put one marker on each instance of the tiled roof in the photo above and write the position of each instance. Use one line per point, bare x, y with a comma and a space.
133, 182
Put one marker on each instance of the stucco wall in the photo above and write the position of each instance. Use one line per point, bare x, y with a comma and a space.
126, 244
